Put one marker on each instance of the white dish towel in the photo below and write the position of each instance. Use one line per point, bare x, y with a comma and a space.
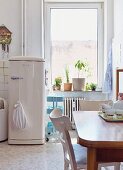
19, 116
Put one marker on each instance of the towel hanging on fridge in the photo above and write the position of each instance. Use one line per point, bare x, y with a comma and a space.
19, 116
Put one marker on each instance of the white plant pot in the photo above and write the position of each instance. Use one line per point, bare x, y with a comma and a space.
78, 84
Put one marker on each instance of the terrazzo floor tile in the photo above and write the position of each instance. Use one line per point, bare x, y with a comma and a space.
33, 157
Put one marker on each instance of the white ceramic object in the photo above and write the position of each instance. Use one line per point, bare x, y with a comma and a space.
105, 107
119, 113
109, 113
118, 105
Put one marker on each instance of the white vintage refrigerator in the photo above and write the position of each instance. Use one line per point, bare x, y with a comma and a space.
26, 100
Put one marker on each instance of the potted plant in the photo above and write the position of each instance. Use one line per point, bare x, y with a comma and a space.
93, 86
79, 83
87, 87
58, 83
67, 85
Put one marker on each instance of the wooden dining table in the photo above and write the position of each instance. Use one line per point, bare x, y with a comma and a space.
104, 140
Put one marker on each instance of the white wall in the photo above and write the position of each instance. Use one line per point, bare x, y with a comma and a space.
110, 22
118, 32
4, 72
10, 16
118, 40
33, 27
118, 10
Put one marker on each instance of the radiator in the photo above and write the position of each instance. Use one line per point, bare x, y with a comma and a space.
71, 104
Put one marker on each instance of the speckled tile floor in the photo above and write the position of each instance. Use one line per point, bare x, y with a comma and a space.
32, 157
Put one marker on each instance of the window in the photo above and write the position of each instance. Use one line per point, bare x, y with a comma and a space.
73, 32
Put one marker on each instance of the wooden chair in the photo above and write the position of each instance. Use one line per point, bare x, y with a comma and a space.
56, 113
75, 155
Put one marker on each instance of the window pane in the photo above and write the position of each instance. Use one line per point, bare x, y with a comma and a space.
73, 37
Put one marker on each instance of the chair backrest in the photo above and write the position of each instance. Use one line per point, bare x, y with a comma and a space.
91, 105
69, 155
61, 124
56, 113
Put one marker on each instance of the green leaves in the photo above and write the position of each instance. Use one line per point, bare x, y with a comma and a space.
67, 74
82, 66
93, 86
58, 81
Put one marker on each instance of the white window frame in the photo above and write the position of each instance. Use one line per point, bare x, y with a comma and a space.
100, 32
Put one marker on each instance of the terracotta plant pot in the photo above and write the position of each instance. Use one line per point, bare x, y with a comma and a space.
67, 86
78, 84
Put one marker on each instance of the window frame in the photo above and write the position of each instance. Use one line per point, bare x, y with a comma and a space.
100, 33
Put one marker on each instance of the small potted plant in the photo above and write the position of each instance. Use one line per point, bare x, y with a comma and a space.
58, 83
93, 86
67, 85
87, 87
79, 83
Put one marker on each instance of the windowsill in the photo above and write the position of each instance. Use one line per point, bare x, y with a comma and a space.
89, 95
76, 91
